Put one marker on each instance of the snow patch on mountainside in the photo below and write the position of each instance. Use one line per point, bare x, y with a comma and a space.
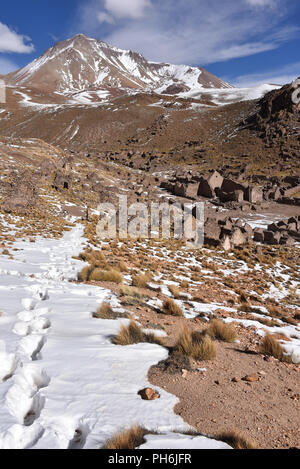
84, 64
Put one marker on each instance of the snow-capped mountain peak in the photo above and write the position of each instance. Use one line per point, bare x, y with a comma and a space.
85, 64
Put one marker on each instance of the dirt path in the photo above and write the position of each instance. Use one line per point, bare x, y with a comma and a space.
268, 411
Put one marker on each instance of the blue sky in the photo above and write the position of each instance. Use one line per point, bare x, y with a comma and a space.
246, 42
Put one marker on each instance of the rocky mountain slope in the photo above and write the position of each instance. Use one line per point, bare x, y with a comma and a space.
84, 64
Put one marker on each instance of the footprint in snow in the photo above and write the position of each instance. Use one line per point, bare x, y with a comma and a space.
8, 365
23, 399
31, 346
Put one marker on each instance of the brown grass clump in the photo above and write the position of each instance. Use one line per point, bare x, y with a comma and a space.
141, 280
171, 308
95, 258
131, 291
184, 284
244, 299
218, 330
131, 296
195, 345
98, 275
273, 311
272, 347
133, 334
131, 301
175, 291
127, 439
236, 440
105, 311
84, 275
123, 267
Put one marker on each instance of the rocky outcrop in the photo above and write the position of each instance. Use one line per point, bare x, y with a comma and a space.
62, 181
231, 233
277, 115
227, 233
21, 195
281, 233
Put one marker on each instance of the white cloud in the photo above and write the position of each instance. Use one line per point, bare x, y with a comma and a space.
11, 41
7, 66
188, 31
280, 76
104, 17
127, 9
262, 3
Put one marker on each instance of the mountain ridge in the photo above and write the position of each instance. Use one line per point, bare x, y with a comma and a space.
84, 64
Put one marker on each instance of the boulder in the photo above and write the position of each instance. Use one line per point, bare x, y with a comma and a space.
226, 226
281, 224
248, 230
273, 227
212, 232
239, 223
292, 191
251, 378
191, 190
236, 196
205, 190
259, 235
229, 185
287, 241
292, 226
169, 186
148, 394
215, 180
238, 238
208, 186
254, 195
179, 189
225, 243
271, 237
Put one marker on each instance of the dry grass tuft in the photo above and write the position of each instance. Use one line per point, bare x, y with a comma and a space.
236, 440
105, 311
195, 345
133, 334
141, 280
131, 291
127, 439
171, 308
84, 275
175, 291
131, 296
98, 275
218, 330
123, 267
184, 284
272, 347
129, 335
